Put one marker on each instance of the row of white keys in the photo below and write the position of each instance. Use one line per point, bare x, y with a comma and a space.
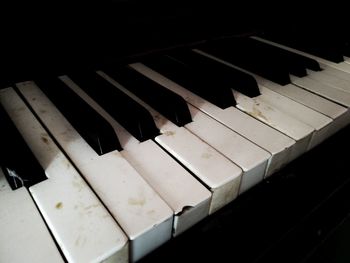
138, 209
219, 174
322, 124
80, 224
188, 198
24, 235
277, 144
339, 115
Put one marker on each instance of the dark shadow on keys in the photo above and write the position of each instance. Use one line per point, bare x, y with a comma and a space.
17, 161
97, 132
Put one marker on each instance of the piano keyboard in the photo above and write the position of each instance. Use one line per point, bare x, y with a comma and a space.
119, 161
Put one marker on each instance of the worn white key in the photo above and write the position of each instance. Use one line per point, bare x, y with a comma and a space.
329, 79
335, 72
337, 95
24, 235
276, 143
81, 225
138, 209
321, 123
249, 157
339, 114
213, 169
188, 198
275, 118
343, 66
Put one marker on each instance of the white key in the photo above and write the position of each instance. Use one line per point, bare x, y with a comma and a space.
138, 209
188, 198
248, 156
343, 66
217, 172
24, 236
335, 72
330, 80
81, 225
275, 118
339, 114
319, 122
276, 143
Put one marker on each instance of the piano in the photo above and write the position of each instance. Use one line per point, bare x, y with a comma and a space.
149, 132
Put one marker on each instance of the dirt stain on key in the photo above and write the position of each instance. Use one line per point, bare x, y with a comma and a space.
59, 205
169, 133
258, 114
206, 155
137, 201
44, 138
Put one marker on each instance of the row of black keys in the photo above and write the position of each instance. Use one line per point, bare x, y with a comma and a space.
205, 77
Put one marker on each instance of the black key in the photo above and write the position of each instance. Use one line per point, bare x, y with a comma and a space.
225, 76
296, 61
203, 85
169, 104
325, 46
288, 59
246, 54
16, 159
95, 130
131, 115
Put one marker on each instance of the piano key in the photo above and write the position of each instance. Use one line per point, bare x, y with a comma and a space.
128, 113
340, 115
331, 80
92, 127
277, 119
315, 44
80, 224
249, 157
175, 69
293, 63
295, 60
247, 54
339, 96
320, 123
341, 65
137, 208
197, 156
276, 143
241, 82
328, 70
170, 105
227, 143
20, 166
184, 194
24, 235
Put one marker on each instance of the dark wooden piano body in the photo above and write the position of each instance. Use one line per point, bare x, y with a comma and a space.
298, 215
